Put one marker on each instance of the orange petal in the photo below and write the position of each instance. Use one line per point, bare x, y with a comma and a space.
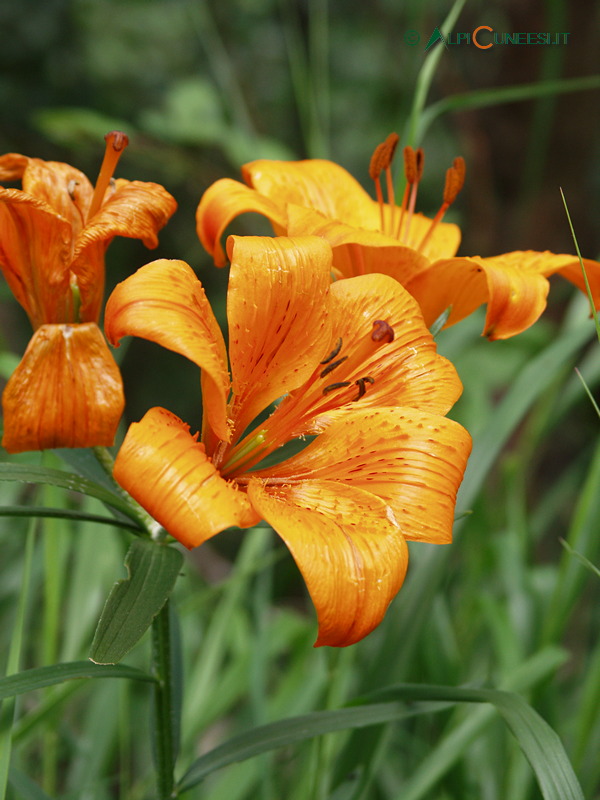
515, 295
12, 166
546, 263
317, 184
443, 242
406, 371
414, 461
166, 470
66, 392
277, 311
64, 188
165, 303
35, 253
357, 251
221, 203
352, 557
136, 210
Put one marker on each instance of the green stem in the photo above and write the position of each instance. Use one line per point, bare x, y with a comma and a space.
154, 529
164, 712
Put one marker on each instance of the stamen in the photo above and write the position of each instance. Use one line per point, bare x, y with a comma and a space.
419, 163
382, 331
333, 353
455, 178
375, 167
332, 366
333, 386
116, 142
361, 386
377, 161
391, 143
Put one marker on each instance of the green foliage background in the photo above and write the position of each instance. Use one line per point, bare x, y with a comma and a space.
201, 88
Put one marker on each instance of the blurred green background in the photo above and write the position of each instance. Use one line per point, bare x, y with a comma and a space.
202, 87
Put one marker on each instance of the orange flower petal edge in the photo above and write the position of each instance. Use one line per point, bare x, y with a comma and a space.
351, 556
375, 475
167, 471
53, 237
164, 302
56, 397
220, 204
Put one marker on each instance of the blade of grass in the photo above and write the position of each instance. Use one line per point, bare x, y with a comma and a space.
538, 741
7, 709
588, 392
585, 277
69, 514
25, 788
424, 79
292, 730
582, 537
37, 678
483, 98
29, 473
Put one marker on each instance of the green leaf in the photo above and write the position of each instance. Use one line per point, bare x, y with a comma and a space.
24, 787
67, 513
28, 473
295, 729
538, 741
134, 602
30, 679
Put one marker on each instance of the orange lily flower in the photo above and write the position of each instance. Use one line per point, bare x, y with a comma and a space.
318, 197
356, 368
67, 390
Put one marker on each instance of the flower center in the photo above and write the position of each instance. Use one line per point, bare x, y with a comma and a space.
396, 222
318, 395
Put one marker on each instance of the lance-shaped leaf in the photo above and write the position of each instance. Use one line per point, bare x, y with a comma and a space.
135, 601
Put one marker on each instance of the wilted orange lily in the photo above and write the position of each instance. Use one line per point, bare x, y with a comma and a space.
67, 390
318, 197
356, 368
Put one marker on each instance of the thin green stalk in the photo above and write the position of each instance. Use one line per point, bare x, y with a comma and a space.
222, 67
165, 736
425, 78
319, 75
7, 708
485, 98
155, 530
585, 277
54, 560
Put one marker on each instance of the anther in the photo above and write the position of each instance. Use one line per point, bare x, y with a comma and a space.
332, 366
382, 331
334, 352
455, 178
377, 161
414, 161
390, 145
333, 386
410, 164
361, 386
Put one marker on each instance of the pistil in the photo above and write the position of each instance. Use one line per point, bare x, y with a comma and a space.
116, 142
